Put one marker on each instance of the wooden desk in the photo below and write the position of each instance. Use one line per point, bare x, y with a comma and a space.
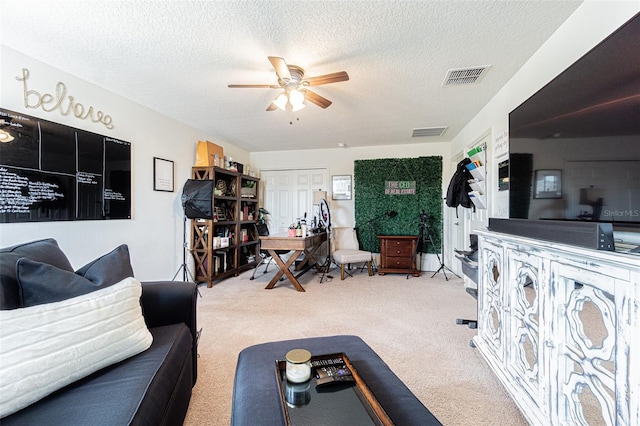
307, 245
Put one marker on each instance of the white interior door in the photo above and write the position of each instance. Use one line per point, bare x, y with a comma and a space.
467, 221
454, 224
288, 195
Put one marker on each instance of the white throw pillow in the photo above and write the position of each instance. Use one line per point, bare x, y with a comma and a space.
46, 347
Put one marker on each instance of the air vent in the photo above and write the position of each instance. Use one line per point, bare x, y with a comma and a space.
428, 131
461, 76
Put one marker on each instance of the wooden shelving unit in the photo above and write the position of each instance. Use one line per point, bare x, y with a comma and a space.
227, 243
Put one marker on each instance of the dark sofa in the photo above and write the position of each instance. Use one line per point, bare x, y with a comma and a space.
150, 388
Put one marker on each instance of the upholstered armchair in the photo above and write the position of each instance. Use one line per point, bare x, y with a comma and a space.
346, 251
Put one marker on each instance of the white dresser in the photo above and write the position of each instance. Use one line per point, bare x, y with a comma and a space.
560, 327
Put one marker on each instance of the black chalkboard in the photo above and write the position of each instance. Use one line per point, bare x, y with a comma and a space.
49, 172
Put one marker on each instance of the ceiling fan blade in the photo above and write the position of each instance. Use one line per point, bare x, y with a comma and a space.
272, 107
335, 77
316, 99
253, 86
281, 67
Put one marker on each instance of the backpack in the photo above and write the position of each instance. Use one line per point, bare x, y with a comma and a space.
459, 188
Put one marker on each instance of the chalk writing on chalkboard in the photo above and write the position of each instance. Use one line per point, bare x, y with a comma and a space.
49, 172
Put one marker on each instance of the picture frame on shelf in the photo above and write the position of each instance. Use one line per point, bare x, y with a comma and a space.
163, 175
221, 214
547, 184
341, 187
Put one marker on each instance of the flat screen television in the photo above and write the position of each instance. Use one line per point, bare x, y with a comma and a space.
574, 146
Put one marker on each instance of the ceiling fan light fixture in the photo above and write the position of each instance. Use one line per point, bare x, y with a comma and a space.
296, 97
291, 78
298, 107
281, 101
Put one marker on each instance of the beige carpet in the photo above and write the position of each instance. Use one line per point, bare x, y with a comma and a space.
410, 323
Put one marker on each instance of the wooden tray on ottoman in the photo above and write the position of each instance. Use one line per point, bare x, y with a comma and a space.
337, 403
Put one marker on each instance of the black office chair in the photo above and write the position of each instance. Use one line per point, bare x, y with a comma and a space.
263, 230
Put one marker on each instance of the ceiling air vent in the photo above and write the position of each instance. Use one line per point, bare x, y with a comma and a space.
428, 131
461, 76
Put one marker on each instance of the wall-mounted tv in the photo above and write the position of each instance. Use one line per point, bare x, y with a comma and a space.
574, 146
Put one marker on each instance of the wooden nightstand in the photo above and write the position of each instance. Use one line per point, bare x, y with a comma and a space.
396, 253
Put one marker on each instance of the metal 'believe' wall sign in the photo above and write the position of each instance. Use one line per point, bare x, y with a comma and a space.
60, 101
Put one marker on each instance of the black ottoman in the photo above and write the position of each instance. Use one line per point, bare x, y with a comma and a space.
255, 393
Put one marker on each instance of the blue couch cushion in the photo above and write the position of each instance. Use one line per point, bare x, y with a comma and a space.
110, 268
138, 391
44, 283
45, 251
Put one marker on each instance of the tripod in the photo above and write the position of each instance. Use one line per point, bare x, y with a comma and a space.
326, 266
325, 221
420, 243
185, 271
442, 267
389, 215
369, 223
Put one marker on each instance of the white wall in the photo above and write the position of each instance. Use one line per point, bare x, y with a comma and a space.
591, 23
340, 161
154, 234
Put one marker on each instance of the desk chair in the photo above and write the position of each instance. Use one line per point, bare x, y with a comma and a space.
263, 230
347, 251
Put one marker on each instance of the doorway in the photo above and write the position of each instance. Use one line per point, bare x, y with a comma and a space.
458, 228
288, 195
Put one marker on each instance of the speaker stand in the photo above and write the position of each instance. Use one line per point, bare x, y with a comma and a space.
186, 274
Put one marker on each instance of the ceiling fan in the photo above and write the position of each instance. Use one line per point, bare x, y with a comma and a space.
291, 80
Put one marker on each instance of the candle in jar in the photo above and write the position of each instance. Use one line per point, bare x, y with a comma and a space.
298, 368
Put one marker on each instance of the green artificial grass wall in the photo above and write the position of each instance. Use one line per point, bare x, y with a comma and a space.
376, 194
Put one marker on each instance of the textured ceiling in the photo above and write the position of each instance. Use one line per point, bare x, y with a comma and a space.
177, 57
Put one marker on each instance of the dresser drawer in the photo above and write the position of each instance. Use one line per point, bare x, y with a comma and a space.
398, 262
397, 255
403, 250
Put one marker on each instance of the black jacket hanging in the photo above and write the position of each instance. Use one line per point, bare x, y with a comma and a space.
459, 188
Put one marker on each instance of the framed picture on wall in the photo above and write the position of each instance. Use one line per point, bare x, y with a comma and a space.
162, 175
547, 184
341, 187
